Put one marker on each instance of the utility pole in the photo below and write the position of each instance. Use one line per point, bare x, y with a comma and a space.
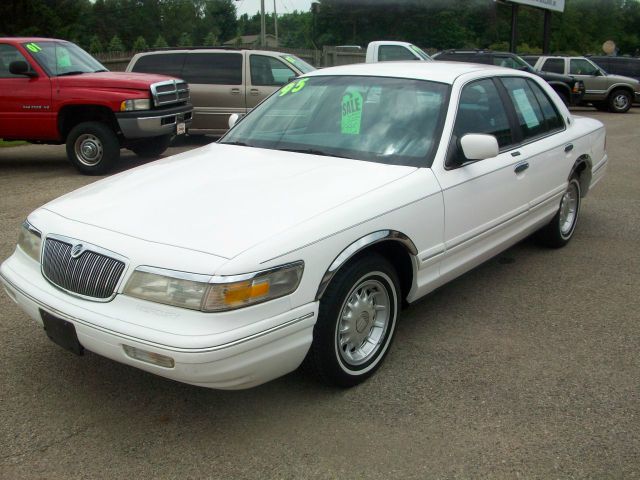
263, 27
275, 20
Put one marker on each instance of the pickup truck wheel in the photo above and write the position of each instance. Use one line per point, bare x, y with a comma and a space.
559, 230
619, 101
93, 148
356, 322
151, 147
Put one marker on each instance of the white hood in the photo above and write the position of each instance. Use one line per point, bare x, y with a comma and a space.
223, 199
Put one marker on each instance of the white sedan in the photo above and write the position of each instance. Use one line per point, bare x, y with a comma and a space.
301, 233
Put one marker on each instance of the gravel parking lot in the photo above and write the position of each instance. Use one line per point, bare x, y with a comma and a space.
526, 367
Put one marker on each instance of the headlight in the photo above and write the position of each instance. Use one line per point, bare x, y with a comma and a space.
213, 294
135, 104
30, 240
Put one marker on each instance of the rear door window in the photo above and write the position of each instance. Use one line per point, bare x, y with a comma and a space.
213, 68
163, 63
528, 110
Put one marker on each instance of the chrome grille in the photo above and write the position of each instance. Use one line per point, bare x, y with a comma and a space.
171, 91
90, 274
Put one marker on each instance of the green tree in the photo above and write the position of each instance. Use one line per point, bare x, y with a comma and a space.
210, 40
160, 42
140, 44
115, 44
185, 40
95, 45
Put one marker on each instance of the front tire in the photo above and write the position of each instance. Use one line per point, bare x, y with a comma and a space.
620, 101
151, 147
559, 231
93, 148
356, 322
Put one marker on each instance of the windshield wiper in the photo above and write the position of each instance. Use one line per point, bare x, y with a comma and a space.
240, 144
101, 70
74, 72
312, 151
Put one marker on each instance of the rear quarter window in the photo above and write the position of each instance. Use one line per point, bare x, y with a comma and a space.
164, 64
213, 68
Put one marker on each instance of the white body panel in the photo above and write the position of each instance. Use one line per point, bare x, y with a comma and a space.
229, 210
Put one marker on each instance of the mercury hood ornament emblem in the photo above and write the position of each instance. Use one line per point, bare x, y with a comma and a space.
77, 250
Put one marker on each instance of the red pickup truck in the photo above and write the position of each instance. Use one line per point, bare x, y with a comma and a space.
53, 92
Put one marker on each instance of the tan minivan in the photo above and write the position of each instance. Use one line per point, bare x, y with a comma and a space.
222, 82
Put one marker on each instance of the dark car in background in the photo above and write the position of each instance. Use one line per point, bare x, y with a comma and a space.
627, 66
568, 88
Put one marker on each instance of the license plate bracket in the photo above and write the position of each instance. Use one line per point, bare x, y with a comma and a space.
61, 332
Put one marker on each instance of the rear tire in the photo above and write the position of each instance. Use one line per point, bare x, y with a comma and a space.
151, 147
356, 322
620, 101
559, 231
93, 148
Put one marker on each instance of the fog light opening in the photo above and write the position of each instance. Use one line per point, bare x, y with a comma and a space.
149, 357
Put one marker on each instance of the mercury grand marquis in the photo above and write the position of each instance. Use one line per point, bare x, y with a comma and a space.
298, 236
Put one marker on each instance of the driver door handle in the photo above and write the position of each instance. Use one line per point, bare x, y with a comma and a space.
521, 167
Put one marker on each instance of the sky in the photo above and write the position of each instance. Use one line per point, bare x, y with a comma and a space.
282, 6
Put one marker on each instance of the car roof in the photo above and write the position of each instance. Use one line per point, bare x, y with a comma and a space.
442, 71
30, 39
166, 50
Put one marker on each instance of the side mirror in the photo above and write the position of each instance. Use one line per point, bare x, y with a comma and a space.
20, 67
233, 119
478, 146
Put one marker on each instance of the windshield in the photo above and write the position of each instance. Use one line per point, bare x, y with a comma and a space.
300, 64
63, 58
385, 120
521, 63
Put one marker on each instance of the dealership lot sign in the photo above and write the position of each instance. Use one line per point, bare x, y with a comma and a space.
557, 5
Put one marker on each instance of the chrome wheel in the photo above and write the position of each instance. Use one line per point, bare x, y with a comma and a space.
569, 209
88, 149
621, 101
363, 323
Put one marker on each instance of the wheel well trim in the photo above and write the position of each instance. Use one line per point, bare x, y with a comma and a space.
71, 109
359, 245
620, 86
584, 173
557, 85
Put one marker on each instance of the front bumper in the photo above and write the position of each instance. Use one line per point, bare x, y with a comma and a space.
154, 123
241, 358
